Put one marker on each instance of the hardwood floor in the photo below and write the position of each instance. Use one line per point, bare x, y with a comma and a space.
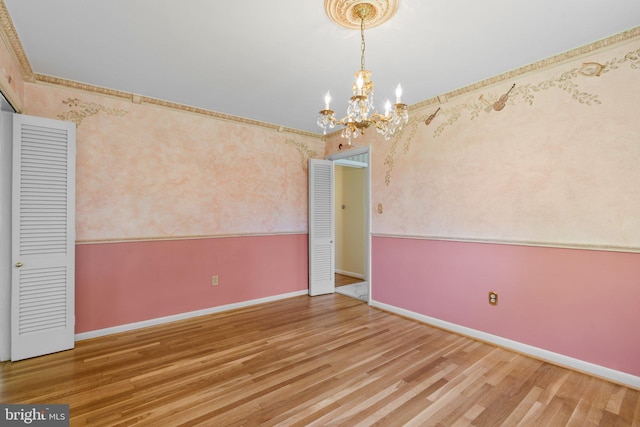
343, 280
326, 360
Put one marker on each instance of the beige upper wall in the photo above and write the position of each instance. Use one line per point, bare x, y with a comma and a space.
557, 166
350, 220
149, 172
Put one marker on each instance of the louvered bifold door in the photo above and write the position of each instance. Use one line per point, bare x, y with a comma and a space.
321, 228
43, 236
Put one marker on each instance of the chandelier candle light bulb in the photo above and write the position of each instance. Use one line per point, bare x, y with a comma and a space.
359, 83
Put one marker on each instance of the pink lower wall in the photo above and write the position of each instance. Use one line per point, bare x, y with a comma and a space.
122, 283
580, 303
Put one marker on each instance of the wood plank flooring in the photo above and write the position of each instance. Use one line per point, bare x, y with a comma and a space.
326, 360
343, 280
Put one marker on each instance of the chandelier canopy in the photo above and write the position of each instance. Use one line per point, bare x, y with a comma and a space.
361, 113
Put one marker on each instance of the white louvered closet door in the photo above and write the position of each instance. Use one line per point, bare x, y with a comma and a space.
43, 237
321, 228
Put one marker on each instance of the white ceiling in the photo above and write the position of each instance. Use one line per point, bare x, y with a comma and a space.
273, 61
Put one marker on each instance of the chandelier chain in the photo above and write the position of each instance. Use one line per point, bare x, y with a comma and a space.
362, 46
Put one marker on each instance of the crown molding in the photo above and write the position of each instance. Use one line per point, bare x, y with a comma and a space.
13, 43
140, 99
544, 63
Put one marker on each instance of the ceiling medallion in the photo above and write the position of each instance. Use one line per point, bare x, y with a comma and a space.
361, 113
346, 12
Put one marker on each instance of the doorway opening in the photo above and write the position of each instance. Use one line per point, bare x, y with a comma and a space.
352, 223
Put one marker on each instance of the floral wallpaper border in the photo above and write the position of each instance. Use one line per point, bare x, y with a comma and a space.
524, 94
80, 110
304, 151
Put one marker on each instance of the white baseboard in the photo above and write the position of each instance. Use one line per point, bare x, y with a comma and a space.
181, 316
350, 274
549, 356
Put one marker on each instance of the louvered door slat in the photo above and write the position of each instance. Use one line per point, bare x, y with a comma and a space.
43, 212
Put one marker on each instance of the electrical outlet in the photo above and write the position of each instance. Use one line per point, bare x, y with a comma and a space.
493, 298
214, 280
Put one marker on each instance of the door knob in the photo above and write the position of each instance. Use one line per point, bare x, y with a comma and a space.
18, 264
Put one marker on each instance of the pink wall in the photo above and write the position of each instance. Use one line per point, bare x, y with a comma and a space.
579, 303
122, 283
173, 184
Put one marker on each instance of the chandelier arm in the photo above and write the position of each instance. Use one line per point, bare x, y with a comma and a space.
381, 121
381, 126
379, 117
348, 121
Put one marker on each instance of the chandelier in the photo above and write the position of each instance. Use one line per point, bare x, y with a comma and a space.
361, 113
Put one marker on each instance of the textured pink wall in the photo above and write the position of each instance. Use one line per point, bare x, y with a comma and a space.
122, 283
579, 303
150, 172
172, 187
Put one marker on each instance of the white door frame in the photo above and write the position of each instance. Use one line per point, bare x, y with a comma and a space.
367, 208
6, 161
